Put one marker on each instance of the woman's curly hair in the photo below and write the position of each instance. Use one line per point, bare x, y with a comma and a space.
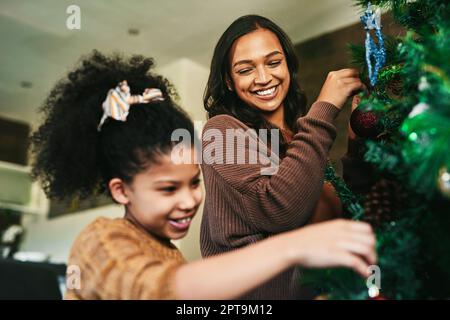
72, 158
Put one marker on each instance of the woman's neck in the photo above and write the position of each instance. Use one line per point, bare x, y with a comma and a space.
276, 118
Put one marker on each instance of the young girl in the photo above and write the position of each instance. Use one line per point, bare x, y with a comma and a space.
253, 85
108, 129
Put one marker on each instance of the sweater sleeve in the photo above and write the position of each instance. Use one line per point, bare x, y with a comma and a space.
284, 200
116, 265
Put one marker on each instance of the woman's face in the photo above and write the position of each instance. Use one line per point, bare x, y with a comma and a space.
258, 70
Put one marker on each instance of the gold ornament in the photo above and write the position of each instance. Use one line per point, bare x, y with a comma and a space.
444, 182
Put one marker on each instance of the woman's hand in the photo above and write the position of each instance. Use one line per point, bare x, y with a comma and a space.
355, 102
338, 243
339, 86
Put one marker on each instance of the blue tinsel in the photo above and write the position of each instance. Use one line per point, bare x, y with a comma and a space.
371, 20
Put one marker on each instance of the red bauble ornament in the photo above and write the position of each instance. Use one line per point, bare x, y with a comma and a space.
365, 124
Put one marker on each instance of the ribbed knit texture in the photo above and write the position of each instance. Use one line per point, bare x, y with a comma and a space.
243, 207
119, 260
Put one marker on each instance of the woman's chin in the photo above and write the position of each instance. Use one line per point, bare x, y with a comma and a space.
268, 108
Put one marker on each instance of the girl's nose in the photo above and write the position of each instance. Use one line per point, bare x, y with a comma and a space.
188, 201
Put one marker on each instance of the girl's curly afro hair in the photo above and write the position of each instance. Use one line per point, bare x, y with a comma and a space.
72, 158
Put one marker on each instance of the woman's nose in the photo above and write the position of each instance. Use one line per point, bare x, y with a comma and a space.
262, 76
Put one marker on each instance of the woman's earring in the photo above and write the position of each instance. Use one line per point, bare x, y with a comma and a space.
228, 83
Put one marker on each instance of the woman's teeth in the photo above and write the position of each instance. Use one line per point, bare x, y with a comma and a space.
266, 92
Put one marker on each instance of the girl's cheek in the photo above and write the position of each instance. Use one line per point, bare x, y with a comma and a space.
199, 194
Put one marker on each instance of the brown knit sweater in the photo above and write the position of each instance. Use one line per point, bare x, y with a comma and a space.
119, 260
242, 206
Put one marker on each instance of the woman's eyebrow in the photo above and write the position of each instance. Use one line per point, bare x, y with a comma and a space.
249, 61
242, 62
272, 54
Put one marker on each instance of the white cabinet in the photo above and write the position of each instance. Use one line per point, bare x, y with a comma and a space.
19, 192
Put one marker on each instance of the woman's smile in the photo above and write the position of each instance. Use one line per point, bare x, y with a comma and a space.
266, 94
259, 74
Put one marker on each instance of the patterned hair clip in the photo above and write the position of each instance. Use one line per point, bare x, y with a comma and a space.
118, 101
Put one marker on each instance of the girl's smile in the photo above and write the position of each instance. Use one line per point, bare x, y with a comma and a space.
181, 224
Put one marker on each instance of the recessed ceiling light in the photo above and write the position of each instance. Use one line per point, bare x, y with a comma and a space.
26, 84
133, 31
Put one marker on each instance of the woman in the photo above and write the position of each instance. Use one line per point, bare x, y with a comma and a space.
253, 85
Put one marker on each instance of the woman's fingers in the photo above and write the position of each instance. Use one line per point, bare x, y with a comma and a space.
339, 86
350, 80
355, 101
355, 87
348, 72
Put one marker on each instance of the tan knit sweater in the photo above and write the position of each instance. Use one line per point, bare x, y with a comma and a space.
119, 260
242, 206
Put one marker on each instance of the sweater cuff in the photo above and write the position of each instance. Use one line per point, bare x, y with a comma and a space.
324, 111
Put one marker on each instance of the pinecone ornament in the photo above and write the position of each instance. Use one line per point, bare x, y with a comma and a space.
382, 202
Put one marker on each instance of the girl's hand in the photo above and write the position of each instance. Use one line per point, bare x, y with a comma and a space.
339, 86
338, 243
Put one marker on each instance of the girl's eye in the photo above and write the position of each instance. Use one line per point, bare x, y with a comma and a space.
196, 182
168, 189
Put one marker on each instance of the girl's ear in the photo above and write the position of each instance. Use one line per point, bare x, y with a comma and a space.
117, 189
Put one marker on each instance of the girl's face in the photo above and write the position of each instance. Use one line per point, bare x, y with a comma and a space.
258, 70
164, 198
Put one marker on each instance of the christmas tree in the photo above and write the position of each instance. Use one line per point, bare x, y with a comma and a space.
403, 122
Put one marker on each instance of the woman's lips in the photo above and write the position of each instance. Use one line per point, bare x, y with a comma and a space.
268, 95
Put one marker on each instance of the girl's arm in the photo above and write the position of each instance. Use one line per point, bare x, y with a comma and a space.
337, 243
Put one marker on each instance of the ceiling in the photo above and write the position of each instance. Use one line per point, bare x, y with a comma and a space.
37, 47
